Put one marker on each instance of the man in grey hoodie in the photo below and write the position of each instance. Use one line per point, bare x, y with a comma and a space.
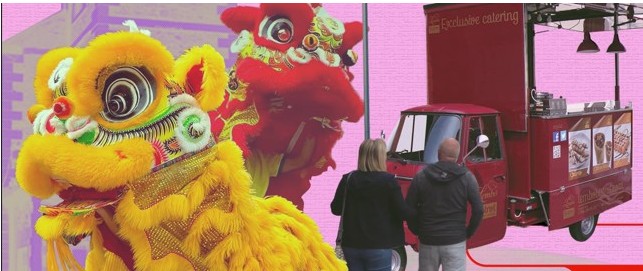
440, 193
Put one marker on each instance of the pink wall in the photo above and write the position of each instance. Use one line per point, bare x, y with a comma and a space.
18, 17
398, 81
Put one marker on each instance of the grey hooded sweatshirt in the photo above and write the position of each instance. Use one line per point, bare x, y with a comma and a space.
440, 193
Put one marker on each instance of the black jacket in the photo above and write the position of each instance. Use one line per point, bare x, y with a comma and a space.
440, 193
374, 210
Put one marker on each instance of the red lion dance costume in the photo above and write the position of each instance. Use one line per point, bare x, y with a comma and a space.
288, 93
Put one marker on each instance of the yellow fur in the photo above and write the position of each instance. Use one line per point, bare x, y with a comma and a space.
214, 76
50, 228
72, 162
260, 234
33, 111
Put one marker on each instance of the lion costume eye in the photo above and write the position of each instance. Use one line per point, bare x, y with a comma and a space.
277, 29
128, 92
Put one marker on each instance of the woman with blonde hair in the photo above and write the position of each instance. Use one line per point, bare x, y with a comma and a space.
372, 208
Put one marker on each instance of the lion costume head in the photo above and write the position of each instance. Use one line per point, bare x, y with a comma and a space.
289, 92
121, 134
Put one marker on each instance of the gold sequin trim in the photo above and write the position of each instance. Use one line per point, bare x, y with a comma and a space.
210, 239
168, 236
169, 180
162, 243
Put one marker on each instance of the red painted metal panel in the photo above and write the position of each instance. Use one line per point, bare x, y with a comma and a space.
518, 162
589, 198
549, 173
453, 108
476, 55
491, 177
492, 181
405, 170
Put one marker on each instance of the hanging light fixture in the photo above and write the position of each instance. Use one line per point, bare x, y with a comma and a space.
590, 25
616, 46
588, 45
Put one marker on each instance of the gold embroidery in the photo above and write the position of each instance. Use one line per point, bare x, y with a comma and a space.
237, 89
248, 116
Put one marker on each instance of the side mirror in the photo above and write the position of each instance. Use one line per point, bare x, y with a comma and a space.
482, 141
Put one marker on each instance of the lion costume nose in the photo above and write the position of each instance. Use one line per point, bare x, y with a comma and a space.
62, 108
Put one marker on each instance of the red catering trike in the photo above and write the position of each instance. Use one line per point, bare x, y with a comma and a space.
537, 159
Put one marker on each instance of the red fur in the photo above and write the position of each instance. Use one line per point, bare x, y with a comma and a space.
292, 185
113, 243
265, 79
195, 78
308, 91
240, 18
352, 36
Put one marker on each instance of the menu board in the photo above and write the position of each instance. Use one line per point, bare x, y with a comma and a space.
622, 143
580, 148
602, 145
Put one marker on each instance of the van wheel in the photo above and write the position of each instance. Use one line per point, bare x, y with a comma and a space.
582, 230
398, 263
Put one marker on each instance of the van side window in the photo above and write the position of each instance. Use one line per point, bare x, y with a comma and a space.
412, 138
484, 125
490, 128
474, 131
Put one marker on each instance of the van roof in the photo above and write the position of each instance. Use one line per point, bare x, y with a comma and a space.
452, 108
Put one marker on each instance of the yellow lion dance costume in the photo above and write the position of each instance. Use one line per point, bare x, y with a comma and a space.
121, 134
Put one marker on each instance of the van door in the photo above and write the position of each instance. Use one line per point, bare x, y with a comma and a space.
489, 167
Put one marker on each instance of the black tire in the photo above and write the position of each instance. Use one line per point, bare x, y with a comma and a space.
583, 230
398, 261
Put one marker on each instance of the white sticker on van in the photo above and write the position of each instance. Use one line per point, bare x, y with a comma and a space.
556, 151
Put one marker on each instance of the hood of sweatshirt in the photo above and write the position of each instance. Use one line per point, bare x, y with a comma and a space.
443, 171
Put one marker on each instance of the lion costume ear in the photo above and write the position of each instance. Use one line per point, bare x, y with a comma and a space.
47, 64
352, 36
240, 18
202, 71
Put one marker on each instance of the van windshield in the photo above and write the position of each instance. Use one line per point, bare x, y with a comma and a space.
420, 136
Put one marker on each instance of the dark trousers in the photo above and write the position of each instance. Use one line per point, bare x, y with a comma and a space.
361, 259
